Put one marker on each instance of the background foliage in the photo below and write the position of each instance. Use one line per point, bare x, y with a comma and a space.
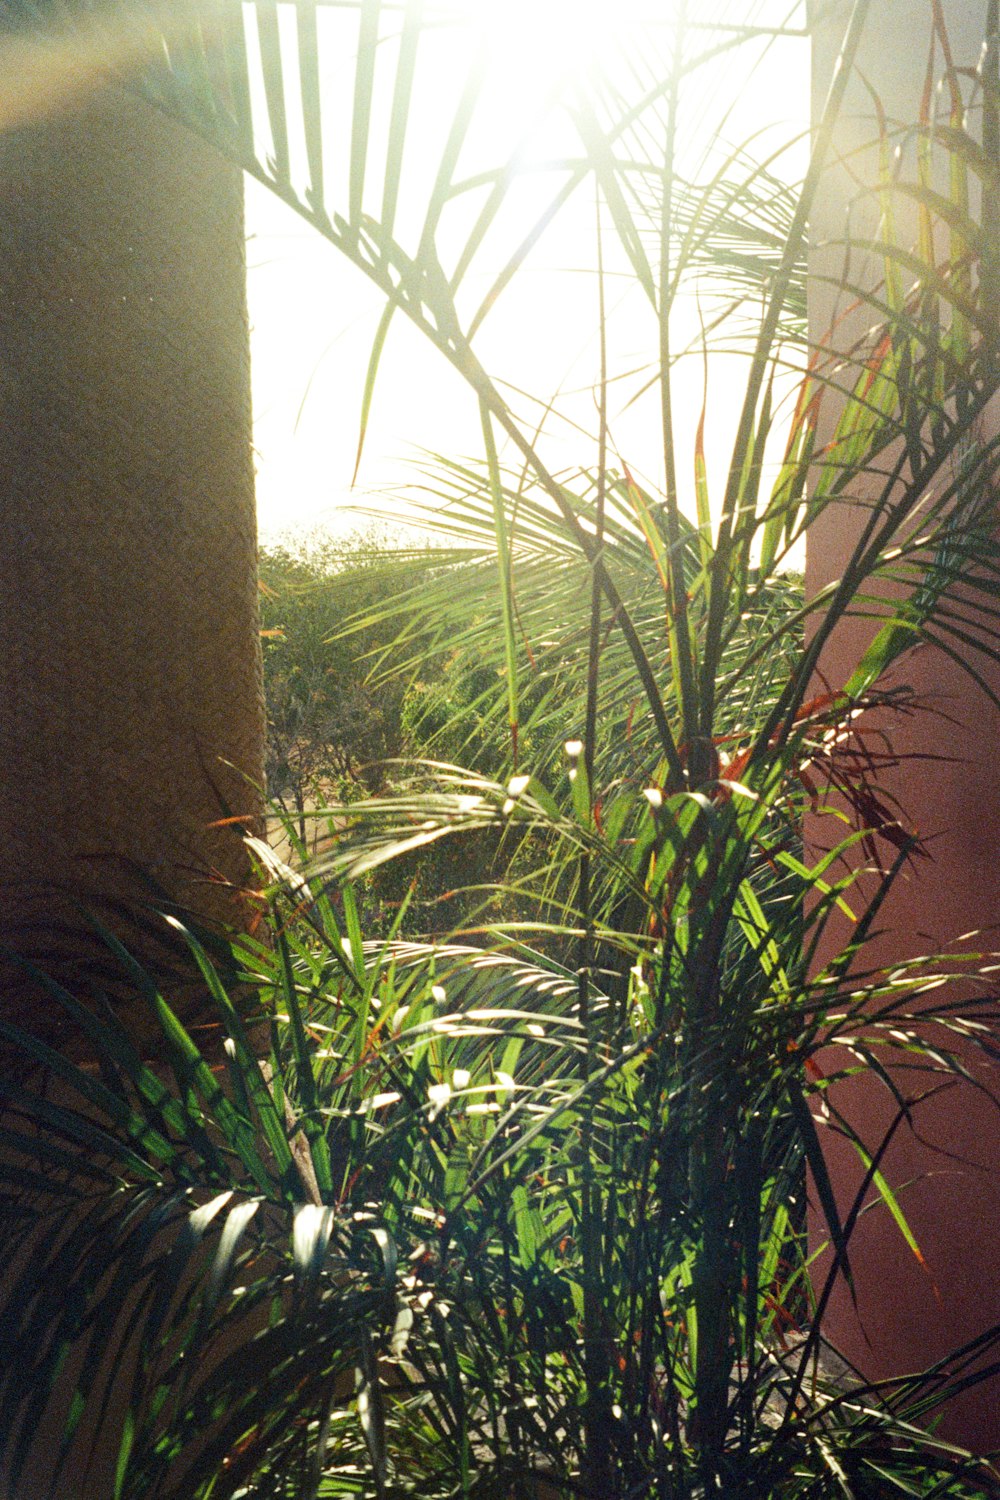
328, 725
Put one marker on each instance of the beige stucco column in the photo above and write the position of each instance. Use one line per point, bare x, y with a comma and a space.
130, 692
948, 1174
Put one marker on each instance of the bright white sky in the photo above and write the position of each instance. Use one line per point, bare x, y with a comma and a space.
313, 315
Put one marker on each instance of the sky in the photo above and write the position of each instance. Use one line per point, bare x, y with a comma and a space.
313, 315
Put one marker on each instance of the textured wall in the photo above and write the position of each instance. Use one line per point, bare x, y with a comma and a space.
129, 659
950, 1177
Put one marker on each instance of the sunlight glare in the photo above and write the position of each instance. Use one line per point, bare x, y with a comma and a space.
548, 41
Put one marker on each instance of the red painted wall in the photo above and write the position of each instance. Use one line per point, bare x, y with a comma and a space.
948, 1173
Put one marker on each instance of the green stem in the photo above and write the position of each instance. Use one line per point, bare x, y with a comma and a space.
506, 577
720, 583
678, 621
709, 1091
597, 1414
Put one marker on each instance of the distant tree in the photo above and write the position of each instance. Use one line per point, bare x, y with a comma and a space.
333, 719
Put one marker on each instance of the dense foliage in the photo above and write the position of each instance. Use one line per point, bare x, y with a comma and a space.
329, 724
362, 694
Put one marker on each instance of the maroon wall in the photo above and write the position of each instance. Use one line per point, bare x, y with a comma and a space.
948, 1172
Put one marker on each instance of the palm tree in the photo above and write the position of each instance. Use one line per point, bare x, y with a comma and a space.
601, 1307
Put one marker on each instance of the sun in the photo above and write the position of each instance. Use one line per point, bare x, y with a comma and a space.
550, 41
